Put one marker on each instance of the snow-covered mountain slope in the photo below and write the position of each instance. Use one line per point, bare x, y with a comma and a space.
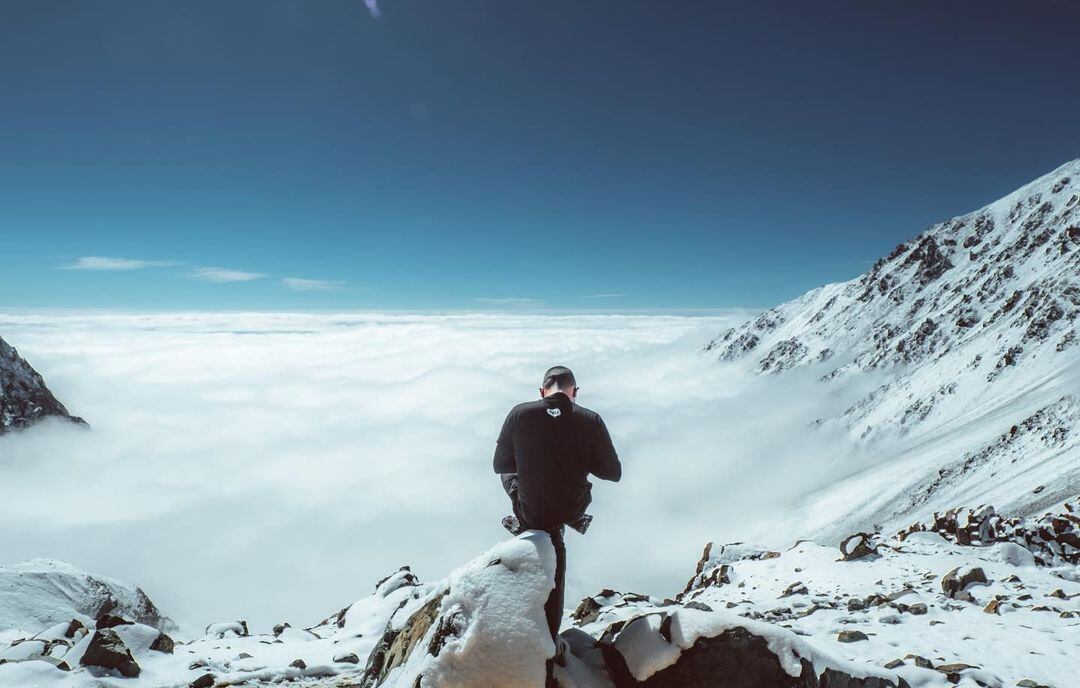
24, 398
971, 329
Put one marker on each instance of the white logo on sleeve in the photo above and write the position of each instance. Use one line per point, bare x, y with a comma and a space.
554, 412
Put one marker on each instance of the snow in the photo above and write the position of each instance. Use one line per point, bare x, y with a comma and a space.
504, 639
45, 592
973, 326
950, 631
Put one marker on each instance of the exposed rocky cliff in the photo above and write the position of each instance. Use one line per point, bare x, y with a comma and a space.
24, 398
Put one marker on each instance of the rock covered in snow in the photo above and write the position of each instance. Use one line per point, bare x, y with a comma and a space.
483, 626
24, 398
44, 592
108, 652
1052, 539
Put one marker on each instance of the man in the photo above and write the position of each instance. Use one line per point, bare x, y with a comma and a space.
546, 451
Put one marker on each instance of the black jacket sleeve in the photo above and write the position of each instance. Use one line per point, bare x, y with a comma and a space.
504, 461
605, 462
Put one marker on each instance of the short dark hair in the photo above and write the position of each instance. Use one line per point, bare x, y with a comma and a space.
559, 376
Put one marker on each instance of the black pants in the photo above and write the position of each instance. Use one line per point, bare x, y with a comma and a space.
554, 607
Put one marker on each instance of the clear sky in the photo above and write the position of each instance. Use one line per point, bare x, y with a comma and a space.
473, 154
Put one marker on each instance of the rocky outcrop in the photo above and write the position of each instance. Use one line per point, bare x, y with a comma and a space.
1052, 539
24, 398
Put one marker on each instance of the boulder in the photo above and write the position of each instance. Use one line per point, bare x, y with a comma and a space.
62, 593
483, 626
164, 644
224, 629
858, 546
654, 651
204, 681
107, 651
957, 581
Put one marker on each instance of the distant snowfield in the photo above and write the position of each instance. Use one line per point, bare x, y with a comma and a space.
272, 467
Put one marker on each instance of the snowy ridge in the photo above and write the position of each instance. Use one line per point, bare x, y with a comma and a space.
984, 296
24, 398
972, 326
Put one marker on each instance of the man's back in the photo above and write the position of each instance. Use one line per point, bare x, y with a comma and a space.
552, 445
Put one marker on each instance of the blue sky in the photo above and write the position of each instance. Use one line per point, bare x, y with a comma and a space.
499, 153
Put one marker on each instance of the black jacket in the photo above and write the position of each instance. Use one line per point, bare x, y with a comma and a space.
552, 445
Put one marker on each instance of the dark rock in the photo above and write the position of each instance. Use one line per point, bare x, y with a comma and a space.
348, 658
735, 659
74, 627
110, 621
921, 662
851, 636
954, 582
796, 588
107, 651
204, 681
163, 643
396, 645
953, 671
298, 664
857, 546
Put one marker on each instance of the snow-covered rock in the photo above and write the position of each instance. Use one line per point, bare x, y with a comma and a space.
483, 626
42, 592
24, 398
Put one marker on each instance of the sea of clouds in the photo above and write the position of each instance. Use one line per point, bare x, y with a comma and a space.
272, 467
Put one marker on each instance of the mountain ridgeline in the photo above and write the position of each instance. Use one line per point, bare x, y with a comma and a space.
971, 328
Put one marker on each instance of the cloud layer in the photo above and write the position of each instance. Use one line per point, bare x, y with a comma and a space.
272, 467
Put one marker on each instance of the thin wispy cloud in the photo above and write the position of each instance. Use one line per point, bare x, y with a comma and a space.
302, 284
604, 296
105, 263
373, 7
224, 275
510, 302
